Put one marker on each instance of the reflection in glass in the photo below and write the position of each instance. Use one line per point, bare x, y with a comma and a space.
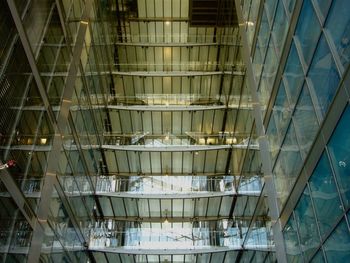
337, 245
339, 149
306, 223
305, 121
338, 26
325, 195
291, 240
308, 31
324, 75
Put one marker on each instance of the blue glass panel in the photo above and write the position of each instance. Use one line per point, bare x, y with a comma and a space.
290, 5
325, 195
287, 165
306, 223
270, 67
318, 258
270, 6
339, 149
281, 113
308, 30
291, 240
337, 245
280, 28
293, 74
324, 75
324, 6
305, 120
338, 25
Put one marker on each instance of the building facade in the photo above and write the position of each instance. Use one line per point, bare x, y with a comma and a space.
174, 131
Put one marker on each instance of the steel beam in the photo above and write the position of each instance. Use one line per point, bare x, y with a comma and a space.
178, 195
187, 251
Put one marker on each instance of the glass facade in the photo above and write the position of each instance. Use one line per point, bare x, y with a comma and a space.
299, 71
174, 131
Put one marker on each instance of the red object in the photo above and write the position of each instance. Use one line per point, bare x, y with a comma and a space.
11, 163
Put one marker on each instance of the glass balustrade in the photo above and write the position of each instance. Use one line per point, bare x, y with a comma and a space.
162, 184
110, 234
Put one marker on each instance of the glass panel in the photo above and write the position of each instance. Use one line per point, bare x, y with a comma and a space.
291, 240
308, 31
324, 76
337, 245
324, 6
280, 28
306, 223
305, 120
270, 6
338, 26
293, 75
287, 165
290, 5
325, 195
339, 149
318, 258
261, 45
281, 112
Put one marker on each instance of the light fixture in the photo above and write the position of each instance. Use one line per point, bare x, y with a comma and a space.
234, 140
167, 137
166, 221
167, 23
43, 140
249, 23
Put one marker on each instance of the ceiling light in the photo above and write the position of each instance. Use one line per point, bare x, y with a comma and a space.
249, 23
43, 140
167, 23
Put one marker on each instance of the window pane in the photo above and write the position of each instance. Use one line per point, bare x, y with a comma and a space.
308, 30
290, 5
324, 75
318, 258
324, 6
287, 165
281, 112
293, 74
337, 245
291, 240
339, 149
280, 28
325, 195
338, 26
306, 223
305, 119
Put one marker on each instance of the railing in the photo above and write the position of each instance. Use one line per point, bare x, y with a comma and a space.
28, 186
160, 185
190, 138
178, 238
